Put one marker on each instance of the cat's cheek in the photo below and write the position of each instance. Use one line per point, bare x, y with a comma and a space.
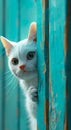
11, 68
9, 65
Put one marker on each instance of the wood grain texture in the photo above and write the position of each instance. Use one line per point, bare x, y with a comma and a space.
43, 64
1, 24
15, 26
11, 86
28, 14
50, 16
68, 61
57, 92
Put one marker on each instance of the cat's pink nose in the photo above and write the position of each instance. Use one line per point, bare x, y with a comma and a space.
22, 67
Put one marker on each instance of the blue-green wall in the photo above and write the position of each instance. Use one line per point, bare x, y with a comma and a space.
15, 19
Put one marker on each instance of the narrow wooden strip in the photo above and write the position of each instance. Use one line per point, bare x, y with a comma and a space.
47, 61
57, 91
1, 62
43, 63
68, 62
3, 69
11, 86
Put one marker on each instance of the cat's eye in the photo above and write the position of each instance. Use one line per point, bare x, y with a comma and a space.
14, 61
30, 55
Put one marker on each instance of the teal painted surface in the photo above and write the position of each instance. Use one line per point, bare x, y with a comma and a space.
42, 36
16, 25
18, 16
28, 14
0, 66
57, 86
68, 63
11, 86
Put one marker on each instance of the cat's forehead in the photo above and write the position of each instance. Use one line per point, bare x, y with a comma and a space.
23, 47
26, 44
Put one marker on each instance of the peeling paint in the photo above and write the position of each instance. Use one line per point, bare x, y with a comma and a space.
54, 114
57, 79
46, 114
54, 3
44, 71
42, 45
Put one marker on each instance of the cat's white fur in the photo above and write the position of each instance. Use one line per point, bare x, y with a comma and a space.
28, 79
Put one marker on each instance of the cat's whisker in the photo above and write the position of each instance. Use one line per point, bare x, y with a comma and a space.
4, 77
14, 81
11, 81
11, 90
9, 87
4, 82
8, 81
7, 72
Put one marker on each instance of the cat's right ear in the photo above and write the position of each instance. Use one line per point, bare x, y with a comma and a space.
32, 32
7, 44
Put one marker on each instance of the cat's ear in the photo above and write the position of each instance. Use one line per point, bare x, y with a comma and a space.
32, 32
7, 44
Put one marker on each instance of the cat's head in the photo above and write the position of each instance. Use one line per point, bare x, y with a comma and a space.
22, 56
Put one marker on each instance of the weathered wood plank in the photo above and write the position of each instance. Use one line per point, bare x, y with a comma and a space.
28, 14
1, 25
68, 62
43, 65
11, 88
57, 89
16, 29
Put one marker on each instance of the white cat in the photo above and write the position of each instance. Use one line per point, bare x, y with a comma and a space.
22, 61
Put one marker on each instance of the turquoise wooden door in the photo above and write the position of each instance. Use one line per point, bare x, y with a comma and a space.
15, 19
51, 24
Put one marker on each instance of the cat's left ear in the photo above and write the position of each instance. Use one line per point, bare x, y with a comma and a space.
32, 32
7, 44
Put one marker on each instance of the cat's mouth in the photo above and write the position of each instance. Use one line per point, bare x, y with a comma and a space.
22, 73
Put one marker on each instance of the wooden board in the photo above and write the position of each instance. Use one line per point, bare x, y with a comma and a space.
11, 86
17, 16
16, 22
68, 62
57, 90
1, 23
43, 63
